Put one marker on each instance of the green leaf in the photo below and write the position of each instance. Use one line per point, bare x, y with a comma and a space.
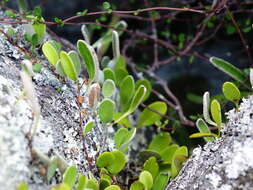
161, 181
179, 156
59, 68
109, 74
138, 96
108, 88
88, 127
216, 112
120, 63
200, 135
68, 66
168, 152
69, 176
81, 182
113, 187
203, 128
229, 69
39, 29
91, 184
37, 67
120, 74
75, 60
106, 5
119, 162
160, 142
231, 92
51, 168
62, 186
22, 186
105, 159
115, 44
137, 185
148, 86
122, 138
105, 110
151, 166
90, 58
127, 88
206, 104
149, 117
104, 182
146, 154
50, 52
146, 179
125, 121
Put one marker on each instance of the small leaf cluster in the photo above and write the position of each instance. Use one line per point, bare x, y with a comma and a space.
231, 93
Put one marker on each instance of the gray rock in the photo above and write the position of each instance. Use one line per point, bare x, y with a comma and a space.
226, 163
59, 131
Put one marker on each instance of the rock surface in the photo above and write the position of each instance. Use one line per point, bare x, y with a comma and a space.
59, 131
225, 164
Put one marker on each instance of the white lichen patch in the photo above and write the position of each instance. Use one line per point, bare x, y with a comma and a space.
242, 159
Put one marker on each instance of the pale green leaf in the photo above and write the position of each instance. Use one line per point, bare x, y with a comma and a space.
109, 74
113, 187
90, 58
216, 112
120, 74
179, 157
149, 117
146, 179
203, 128
76, 61
151, 166
105, 110
88, 127
108, 88
69, 176
231, 92
200, 135
81, 182
119, 162
148, 86
50, 53
137, 185
68, 66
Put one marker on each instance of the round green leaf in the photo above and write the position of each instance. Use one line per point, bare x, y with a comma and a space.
50, 52
151, 166
109, 74
91, 184
216, 112
122, 137
81, 182
231, 92
88, 127
105, 110
68, 66
105, 159
203, 128
146, 179
69, 176
137, 185
108, 88
149, 117
104, 182
168, 152
118, 163
160, 142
